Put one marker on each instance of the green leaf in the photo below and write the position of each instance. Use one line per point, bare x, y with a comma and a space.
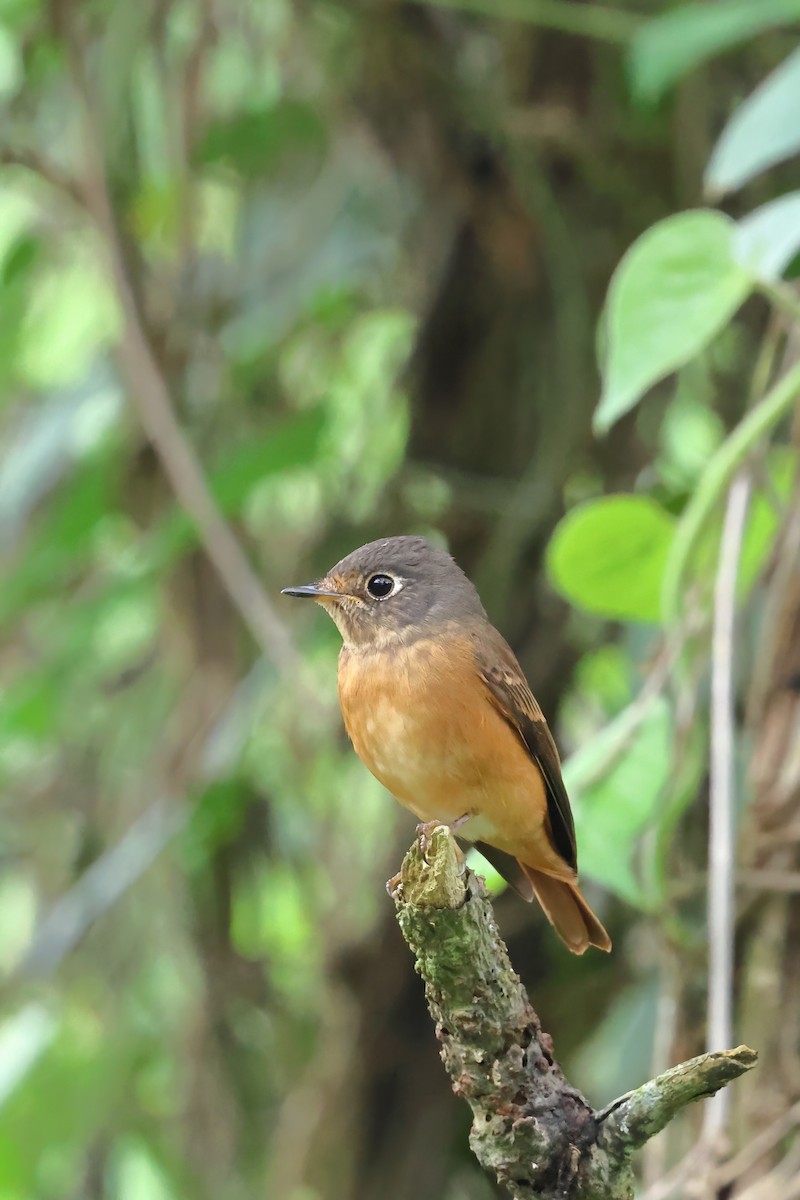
18, 14
19, 912
215, 821
674, 290
59, 547
608, 556
11, 69
272, 919
292, 445
89, 1067
257, 142
17, 274
764, 131
125, 626
72, 315
615, 801
767, 240
29, 706
137, 1173
23, 254
690, 430
670, 46
24, 1037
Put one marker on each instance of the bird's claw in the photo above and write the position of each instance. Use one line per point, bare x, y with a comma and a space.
426, 828
424, 834
394, 884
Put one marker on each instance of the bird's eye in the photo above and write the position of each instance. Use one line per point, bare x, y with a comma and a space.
381, 586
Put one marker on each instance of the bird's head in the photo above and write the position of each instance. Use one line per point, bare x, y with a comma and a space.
395, 588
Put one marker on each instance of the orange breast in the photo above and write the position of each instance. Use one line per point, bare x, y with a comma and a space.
421, 720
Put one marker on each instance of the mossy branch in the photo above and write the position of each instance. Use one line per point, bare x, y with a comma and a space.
531, 1128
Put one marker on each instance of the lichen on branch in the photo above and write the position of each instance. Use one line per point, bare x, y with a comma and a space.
531, 1128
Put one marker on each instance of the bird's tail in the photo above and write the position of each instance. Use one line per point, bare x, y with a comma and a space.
568, 912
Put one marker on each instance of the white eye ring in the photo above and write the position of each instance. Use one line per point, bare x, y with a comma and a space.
378, 582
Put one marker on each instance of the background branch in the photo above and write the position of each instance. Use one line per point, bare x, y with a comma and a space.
721, 909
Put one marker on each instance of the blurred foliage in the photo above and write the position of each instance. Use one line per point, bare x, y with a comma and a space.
367, 249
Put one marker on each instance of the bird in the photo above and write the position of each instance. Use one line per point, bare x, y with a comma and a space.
437, 706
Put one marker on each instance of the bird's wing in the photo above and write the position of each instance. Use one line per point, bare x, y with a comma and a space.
511, 696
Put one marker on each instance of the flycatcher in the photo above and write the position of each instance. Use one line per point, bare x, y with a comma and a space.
437, 707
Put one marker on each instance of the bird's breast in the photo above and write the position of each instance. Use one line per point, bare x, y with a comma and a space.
422, 719
419, 720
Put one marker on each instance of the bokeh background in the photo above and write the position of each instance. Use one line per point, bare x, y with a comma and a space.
275, 279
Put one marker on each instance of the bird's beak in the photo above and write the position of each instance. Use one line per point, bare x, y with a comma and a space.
313, 590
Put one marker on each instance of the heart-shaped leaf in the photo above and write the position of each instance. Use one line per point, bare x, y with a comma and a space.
764, 131
674, 290
608, 557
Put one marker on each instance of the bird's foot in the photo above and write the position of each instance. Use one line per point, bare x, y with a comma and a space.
425, 832
394, 884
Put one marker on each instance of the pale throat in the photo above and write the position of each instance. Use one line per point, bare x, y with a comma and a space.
363, 631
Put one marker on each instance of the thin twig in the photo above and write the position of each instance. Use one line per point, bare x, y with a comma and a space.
636, 1117
721, 800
